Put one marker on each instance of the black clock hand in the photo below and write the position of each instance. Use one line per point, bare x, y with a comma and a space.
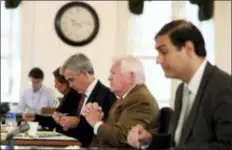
74, 22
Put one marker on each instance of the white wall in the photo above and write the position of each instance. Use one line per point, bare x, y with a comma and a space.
223, 35
42, 47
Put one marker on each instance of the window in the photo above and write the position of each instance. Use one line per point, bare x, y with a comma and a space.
141, 31
9, 53
206, 28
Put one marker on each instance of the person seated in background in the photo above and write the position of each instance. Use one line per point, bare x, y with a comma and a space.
68, 106
78, 70
38, 96
135, 105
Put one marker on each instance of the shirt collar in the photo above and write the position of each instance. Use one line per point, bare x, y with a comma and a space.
91, 87
37, 91
128, 91
196, 79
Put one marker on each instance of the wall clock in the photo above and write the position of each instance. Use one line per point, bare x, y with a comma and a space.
76, 23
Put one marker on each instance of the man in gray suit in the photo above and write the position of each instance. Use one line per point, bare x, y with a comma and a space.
203, 106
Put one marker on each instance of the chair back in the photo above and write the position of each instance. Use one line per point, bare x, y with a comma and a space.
47, 111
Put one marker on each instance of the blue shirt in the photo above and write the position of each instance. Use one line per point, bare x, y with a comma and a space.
35, 100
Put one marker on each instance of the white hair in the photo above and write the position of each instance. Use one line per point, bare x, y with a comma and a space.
132, 64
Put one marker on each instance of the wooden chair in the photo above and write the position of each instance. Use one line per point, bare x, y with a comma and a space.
47, 111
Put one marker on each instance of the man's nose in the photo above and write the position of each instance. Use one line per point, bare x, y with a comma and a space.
159, 59
109, 78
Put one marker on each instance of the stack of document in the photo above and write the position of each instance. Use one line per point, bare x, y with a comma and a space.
49, 135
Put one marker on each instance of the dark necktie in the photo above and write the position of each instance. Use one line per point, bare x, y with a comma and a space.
80, 104
117, 102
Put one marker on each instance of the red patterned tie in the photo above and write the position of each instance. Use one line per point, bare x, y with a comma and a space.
80, 104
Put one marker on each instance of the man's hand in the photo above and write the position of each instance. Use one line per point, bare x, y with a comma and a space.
138, 136
69, 121
92, 113
56, 116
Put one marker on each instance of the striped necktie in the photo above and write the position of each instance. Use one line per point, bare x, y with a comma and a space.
81, 102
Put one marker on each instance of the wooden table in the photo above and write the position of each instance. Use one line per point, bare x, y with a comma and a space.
39, 142
61, 141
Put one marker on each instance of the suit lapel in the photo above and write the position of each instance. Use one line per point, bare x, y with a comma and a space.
189, 122
93, 95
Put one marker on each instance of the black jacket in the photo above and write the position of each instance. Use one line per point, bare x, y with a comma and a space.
105, 98
68, 105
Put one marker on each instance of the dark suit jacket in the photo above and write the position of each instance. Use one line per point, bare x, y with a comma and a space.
83, 132
209, 125
139, 106
68, 105
105, 98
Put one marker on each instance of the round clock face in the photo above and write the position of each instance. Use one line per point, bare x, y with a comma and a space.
77, 23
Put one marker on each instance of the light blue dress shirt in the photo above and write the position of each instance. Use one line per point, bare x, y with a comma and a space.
35, 100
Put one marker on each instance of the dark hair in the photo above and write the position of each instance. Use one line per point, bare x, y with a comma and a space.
60, 77
181, 31
36, 73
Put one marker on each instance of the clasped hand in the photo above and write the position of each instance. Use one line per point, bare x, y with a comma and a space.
92, 113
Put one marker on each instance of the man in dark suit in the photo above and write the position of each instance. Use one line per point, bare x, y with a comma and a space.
78, 70
203, 103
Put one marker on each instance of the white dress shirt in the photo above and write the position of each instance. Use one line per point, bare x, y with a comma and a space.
88, 92
188, 100
35, 100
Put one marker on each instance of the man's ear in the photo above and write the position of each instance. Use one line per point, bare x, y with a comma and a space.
189, 47
133, 76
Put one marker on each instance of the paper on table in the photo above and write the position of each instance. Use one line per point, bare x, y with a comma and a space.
73, 147
41, 135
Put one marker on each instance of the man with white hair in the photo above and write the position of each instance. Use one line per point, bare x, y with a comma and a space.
135, 105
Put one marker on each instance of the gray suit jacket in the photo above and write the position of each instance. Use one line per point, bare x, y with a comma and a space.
209, 125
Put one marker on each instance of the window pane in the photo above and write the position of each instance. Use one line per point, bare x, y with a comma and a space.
4, 78
206, 27
4, 46
143, 28
157, 83
141, 32
5, 19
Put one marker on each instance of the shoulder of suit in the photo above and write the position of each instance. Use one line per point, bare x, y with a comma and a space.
223, 79
140, 93
100, 86
73, 93
222, 73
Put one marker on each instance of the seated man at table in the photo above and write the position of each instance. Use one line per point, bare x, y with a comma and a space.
38, 96
203, 102
78, 71
135, 105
